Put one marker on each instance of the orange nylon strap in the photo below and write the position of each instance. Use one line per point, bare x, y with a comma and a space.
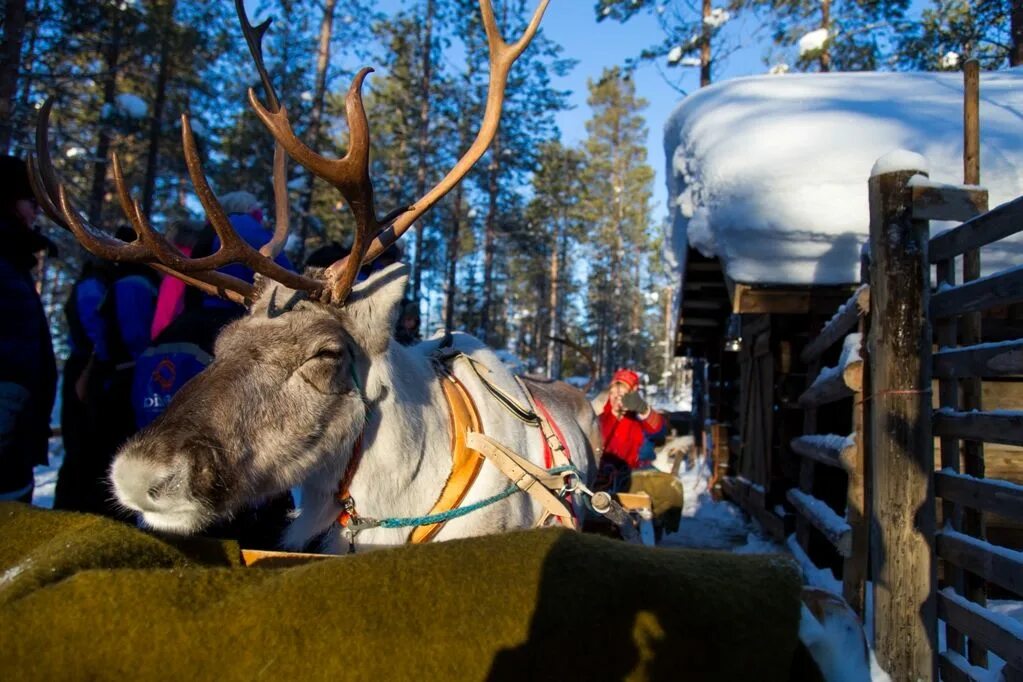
465, 463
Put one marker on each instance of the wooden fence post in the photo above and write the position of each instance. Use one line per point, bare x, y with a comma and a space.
902, 507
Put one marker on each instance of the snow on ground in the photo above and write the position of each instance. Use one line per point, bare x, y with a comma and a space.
770, 172
46, 476
707, 524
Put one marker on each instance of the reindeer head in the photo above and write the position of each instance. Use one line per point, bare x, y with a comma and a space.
282, 399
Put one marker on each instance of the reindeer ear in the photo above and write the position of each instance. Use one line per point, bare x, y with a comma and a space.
371, 310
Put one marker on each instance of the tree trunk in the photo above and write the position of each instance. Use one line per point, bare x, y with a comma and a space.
10, 62
553, 360
825, 58
490, 238
156, 121
316, 115
1016, 32
111, 59
28, 59
452, 270
423, 141
705, 45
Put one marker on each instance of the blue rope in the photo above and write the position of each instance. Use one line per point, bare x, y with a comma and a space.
440, 517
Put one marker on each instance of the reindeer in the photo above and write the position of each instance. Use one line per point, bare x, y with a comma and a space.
307, 389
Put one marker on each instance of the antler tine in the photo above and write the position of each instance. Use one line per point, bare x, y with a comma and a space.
502, 56
40, 173
233, 249
349, 174
254, 39
53, 198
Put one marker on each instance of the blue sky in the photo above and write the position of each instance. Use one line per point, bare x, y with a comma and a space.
598, 45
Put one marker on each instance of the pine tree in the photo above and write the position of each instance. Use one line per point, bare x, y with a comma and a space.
835, 35
617, 209
952, 31
691, 34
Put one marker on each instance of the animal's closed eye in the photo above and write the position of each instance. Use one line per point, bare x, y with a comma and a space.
329, 353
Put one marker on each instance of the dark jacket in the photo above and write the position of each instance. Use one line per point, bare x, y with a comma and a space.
28, 370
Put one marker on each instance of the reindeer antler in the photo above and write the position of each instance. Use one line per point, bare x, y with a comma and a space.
350, 174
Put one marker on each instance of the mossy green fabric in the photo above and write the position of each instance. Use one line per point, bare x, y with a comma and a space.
83, 598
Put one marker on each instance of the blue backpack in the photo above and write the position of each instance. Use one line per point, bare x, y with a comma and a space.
160, 372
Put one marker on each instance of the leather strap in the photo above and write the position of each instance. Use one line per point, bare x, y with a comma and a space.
465, 463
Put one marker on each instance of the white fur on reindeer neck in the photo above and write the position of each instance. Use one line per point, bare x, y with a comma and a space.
406, 441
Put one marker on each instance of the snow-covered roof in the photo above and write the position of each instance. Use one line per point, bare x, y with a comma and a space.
770, 172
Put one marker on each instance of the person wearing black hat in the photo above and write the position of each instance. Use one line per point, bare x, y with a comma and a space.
28, 370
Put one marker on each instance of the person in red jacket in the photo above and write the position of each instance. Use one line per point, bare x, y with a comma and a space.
627, 424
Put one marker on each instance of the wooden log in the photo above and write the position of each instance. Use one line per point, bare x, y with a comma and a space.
948, 202
948, 397
746, 497
857, 498
841, 324
829, 450
902, 505
1002, 288
990, 427
823, 518
998, 223
979, 360
969, 330
835, 384
979, 623
996, 497
1001, 566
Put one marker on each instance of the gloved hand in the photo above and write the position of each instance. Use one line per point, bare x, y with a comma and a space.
633, 402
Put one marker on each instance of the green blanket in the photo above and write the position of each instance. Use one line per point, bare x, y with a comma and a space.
82, 597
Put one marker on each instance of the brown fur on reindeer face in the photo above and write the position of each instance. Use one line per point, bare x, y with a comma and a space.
291, 397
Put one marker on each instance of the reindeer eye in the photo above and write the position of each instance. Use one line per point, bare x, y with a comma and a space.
328, 354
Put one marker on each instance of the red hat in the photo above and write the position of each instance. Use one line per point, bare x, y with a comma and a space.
627, 377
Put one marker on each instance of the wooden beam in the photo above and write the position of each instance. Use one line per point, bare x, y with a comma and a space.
705, 322
988, 427
902, 515
1002, 288
998, 223
710, 266
844, 321
823, 518
752, 502
702, 304
948, 202
271, 559
998, 565
834, 385
955, 668
977, 622
982, 360
997, 497
830, 450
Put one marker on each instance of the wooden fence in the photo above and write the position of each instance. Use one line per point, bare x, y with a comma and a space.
917, 364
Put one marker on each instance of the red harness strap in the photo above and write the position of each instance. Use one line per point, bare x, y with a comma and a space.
347, 504
548, 455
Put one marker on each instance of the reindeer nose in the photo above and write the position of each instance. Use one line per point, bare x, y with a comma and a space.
144, 485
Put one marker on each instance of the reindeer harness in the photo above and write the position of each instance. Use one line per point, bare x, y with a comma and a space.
551, 486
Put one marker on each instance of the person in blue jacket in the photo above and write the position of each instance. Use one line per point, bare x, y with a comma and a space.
28, 370
109, 313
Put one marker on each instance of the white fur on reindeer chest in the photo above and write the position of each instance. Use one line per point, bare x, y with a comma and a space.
407, 457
